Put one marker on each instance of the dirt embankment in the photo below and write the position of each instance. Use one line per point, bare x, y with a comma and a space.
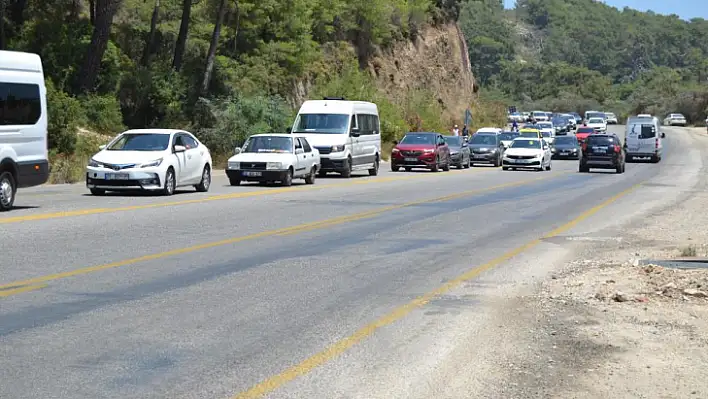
436, 61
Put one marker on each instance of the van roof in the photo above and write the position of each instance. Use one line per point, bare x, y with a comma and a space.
20, 61
337, 106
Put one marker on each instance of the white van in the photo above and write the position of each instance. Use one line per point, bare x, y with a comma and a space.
346, 133
23, 125
643, 138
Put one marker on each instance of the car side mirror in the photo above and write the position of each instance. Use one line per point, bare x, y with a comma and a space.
299, 151
237, 150
355, 132
102, 147
663, 135
289, 130
180, 148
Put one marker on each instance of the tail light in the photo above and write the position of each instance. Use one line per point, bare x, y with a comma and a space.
618, 149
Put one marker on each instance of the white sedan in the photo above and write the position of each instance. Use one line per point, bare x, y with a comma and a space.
599, 124
527, 152
150, 159
548, 131
274, 157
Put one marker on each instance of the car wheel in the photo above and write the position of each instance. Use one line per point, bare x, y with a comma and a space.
234, 182
97, 191
8, 188
204, 185
505, 168
375, 170
347, 172
395, 168
288, 179
170, 182
310, 179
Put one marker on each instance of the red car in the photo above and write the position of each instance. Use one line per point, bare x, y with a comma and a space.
421, 150
583, 132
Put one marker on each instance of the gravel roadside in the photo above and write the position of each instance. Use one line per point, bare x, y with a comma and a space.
608, 324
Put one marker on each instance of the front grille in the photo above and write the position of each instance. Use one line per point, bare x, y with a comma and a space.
324, 150
119, 167
253, 165
412, 153
521, 156
113, 183
481, 151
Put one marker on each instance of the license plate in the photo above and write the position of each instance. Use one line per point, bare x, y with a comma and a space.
479, 156
411, 159
565, 153
523, 160
252, 174
117, 176
599, 149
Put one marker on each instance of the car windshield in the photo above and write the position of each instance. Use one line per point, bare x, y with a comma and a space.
508, 136
412, 138
141, 142
532, 127
322, 123
545, 125
539, 113
592, 115
565, 140
528, 134
484, 139
453, 141
585, 130
596, 120
676, 116
546, 134
269, 144
526, 144
558, 121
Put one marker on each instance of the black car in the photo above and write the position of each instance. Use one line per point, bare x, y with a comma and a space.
486, 148
602, 151
562, 125
459, 151
565, 147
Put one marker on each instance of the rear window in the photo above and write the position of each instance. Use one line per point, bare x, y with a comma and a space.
644, 131
20, 104
600, 140
586, 130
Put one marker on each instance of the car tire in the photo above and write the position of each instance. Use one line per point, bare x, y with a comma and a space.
310, 178
8, 189
234, 181
170, 184
204, 185
288, 180
347, 172
446, 168
375, 170
395, 168
97, 191
505, 168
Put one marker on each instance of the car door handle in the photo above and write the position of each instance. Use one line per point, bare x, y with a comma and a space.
304, 156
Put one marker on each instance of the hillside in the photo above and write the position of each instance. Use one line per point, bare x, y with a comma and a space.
226, 69
550, 53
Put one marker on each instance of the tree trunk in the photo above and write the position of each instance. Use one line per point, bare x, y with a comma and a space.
182, 36
105, 11
150, 43
212, 48
2, 24
17, 12
92, 12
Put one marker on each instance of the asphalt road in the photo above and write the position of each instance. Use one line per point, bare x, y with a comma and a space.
208, 295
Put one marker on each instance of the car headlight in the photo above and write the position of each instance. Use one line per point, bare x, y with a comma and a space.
454, 153
274, 165
428, 151
94, 164
395, 150
150, 164
338, 148
234, 165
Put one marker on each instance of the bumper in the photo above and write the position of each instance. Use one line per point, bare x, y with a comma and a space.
566, 155
521, 163
256, 175
601, 163
489, 157
34, 173
422, 161
147, 179
329, 164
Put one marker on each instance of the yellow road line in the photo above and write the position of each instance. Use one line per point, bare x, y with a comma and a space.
283, 231
14, 290
94, 211
343, 345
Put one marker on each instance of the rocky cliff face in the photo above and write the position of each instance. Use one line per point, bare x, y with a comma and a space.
437, 61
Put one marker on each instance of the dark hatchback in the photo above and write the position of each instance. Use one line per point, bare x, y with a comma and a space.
459, 151
486, 148
602, 151
565, 147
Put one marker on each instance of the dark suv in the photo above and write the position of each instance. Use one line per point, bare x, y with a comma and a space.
602, 151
